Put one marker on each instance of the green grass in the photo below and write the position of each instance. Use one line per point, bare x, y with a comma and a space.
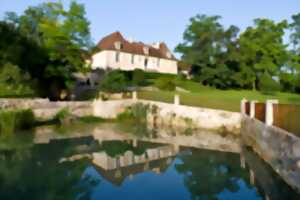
202, 96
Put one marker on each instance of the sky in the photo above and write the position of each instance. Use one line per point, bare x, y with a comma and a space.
165, 20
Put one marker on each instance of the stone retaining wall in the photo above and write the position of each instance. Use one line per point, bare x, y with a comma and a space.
45, 109
172, 115
167, 115
276, 146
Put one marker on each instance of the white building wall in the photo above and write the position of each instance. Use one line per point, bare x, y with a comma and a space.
99, 60
107, 59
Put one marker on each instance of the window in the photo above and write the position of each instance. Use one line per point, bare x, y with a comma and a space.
158, 62
117, 56
146, 50
118, 45
132, 59
146, 62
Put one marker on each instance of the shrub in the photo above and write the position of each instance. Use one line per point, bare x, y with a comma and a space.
137, 112
268, 85
138, 77
11, 121
114, 82
165, 83
62, 114
25, 119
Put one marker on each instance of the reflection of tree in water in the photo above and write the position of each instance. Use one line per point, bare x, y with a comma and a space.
35, 173
208, 173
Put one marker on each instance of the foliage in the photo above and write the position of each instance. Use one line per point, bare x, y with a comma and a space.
62, 114
165, 83
262, 49
13, 82
210, 48
138, 77
61, 34
136, 113
91, 119
268, 85
221, 58
11, 121
114, 82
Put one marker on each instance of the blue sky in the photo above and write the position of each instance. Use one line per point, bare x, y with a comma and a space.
166, 20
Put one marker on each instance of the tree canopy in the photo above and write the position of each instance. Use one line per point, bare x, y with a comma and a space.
55, 40
225, 58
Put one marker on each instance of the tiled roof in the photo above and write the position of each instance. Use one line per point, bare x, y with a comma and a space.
109, 43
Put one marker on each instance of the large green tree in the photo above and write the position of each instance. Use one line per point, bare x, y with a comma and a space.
262, 50
211, 50
292, 77
62, 33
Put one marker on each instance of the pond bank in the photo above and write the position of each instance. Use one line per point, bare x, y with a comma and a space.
160, 114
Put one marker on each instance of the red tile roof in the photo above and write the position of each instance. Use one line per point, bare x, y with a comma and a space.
108, 43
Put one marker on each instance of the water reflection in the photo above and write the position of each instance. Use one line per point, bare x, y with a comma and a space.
106, 163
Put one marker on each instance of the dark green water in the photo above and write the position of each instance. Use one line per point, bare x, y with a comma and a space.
86, 168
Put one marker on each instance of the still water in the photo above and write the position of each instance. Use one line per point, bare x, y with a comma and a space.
103, 163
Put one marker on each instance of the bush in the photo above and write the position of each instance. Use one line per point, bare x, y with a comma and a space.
137, 113
165, 83
268, 85
11, 121
114, 82
138, 77
62, 114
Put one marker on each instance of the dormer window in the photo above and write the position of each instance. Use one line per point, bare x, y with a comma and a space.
169, 55
146, 50
118, 45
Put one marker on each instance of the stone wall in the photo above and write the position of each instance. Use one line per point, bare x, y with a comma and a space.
277, 147
166, 115
172, 115
45, 109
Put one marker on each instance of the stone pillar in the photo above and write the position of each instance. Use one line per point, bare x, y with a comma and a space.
134, 95
252, 177
177, 99
243, 106
134, 142
252, 109
243, 161
269, 111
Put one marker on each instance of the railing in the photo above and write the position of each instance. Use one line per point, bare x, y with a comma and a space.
284, 116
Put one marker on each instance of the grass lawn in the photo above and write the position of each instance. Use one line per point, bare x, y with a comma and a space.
213, 98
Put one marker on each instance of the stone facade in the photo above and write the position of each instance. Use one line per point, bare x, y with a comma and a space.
276, 146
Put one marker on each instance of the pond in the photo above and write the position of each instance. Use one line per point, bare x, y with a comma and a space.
103, 162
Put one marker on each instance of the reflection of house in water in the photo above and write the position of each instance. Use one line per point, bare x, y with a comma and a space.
116, 169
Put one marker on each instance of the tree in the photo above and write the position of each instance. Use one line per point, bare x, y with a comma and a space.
292, 77
211, 50
64, 34
262, 50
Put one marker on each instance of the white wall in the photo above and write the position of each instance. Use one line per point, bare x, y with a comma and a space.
107, 59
